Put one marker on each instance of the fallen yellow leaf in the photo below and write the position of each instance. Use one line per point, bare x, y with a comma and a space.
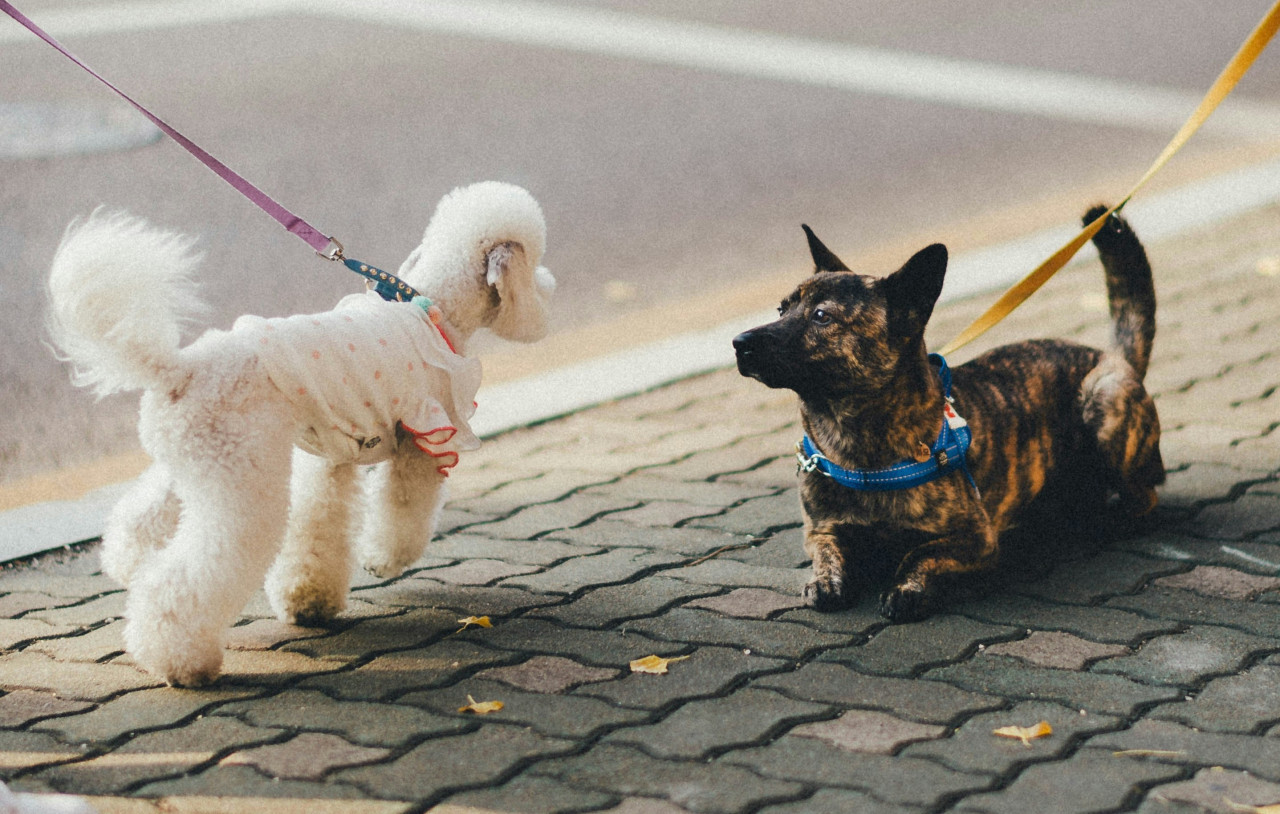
1273, 808
654, 664
1025, 733
481, 707
1148, 753
478, 621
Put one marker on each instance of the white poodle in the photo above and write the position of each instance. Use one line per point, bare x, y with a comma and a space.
368, 382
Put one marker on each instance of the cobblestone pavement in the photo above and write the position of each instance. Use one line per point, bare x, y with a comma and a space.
668, 524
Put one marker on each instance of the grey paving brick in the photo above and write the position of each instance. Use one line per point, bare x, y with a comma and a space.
610, 532
924, 701
1061, 651
481, 571
1090, 780
1087, 581
764, 637
858, 622
243, 782
137, 711
1240, 703
614, 565
1240, 519
899, 780
556, 716
1258, 618
532, 552
541, 519
29, 750
612, 649
89, 682
1186, 659
865, 730
18, 632
607, 606
908, 650
360, 722
92, 612
747, 603
973, 747
1098, 624
837, 801
760, 516
713, 788
390, 675
20, 707
1203, 482
15, 604
1215, 790
548, 674
657, 485
1010, 678
157, 755
307, 756
377, 635
528, 795
462, 600
1178, 744
708, 671
516, 493
444, 765
701, 728
783, 549
1255, 557
733, 574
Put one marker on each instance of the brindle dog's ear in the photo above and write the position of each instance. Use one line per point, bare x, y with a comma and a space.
912, 290
823, 258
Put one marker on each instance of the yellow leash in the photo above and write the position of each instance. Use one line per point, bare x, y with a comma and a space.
1226, 82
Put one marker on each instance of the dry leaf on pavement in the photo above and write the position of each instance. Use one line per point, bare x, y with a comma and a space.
1274, 808
1025, 733
480, 707
478, 621
654, 664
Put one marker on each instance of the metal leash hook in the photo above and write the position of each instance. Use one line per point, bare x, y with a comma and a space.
333, 251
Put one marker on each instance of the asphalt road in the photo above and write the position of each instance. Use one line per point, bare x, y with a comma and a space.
667, 176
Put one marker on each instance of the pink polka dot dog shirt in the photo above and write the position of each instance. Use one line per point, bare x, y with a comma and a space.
358, 373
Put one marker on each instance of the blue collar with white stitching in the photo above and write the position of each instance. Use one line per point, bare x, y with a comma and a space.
946, 455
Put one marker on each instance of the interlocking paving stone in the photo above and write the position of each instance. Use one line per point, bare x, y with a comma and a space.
21, 707
90, 682
765, 637
783, 549
17, 603
399, 632
389, 675
1055, 649
908, 650
612, 604
265, 634
26, 750
257, 790
543, 518
733, 574
689, 541
1236, 703
1085, 582
757, 516
1256, 617
360, 722
308, 756
533, 552
547, 674
531, 795
890, 779
836, 801
860, 730
419, 592
1185, 659
1259, 556
1179, 744
973, 747
271, 668
708, 671
1108, 694
136, 711
857, 622
652, 485
614, 565
710, 788
557, 716
748, 603
477, 572
1090, 780
157, 755
924, 701
16, 631
110, 606
610, 649
448, 764
701, 728
1225, 583
1244, 517
1097, 624
1216, 790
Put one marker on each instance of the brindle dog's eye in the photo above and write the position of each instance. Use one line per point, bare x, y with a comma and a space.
821, 317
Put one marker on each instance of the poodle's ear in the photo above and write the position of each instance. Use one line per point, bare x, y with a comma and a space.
823, 258
524, 293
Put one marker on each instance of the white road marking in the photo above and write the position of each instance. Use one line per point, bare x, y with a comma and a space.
618, 35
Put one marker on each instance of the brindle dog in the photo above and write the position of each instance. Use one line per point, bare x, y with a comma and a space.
1057, 427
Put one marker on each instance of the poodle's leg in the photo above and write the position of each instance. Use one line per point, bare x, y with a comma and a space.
230, 462
142, 522
309, 580
403, 498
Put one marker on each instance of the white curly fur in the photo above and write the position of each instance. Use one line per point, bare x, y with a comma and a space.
228, 500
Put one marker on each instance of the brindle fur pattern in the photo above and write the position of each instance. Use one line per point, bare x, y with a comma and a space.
1057, 426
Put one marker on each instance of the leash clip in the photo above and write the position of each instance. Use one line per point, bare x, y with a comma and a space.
333, 251
807, 464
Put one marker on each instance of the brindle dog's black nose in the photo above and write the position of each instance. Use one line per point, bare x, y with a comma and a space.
742, 343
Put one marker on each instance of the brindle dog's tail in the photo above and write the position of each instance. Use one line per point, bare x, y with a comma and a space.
1130, 291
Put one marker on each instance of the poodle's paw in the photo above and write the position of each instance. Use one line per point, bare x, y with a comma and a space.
384, 565
826, 594
194, 665
309, 610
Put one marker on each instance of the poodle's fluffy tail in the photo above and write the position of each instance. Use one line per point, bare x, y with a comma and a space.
120, 292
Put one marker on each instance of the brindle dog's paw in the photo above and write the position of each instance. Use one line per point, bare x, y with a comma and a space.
907, 602
826, 594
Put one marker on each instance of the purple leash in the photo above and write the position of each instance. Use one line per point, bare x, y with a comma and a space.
389, 286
